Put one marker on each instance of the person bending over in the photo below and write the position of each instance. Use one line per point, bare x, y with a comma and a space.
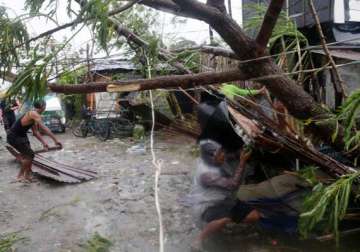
212, 197
215, 200
17, 138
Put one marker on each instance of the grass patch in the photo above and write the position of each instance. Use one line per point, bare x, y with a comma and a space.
7, 241
54, 211
97, 243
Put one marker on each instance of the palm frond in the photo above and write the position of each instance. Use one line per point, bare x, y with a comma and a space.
326, 206
350, 113
12, 34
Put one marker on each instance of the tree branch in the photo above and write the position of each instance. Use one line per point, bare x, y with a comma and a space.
76, 22
218, 4
170, 81
299, 103
162, 54
268, 24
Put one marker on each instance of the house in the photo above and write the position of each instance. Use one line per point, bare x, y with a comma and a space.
105, 103
340, 22
106, 70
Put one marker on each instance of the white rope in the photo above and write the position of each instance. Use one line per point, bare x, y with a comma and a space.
157, 164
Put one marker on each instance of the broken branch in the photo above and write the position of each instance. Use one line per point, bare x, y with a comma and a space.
171, 81
268, 24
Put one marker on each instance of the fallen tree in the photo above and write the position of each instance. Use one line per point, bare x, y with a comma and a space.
299, 103
171, 81
255, 63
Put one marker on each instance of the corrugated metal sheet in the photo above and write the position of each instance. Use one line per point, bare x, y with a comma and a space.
112, 64
123, 64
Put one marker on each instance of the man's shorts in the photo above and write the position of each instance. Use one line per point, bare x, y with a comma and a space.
235, 210
22, 145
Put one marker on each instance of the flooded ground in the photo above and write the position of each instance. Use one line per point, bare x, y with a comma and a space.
119, 204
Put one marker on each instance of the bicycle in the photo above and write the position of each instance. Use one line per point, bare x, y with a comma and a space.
121, 127
90, 125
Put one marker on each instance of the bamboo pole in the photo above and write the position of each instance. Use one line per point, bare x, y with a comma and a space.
337, 81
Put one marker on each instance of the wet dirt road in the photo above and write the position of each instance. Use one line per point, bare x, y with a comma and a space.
119, 204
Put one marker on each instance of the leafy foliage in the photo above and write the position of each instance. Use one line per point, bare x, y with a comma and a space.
350, 114
12, 34
72, 77
309, 174
7, 241
285, 38
32, 81
326, 206
231, 90
97, 243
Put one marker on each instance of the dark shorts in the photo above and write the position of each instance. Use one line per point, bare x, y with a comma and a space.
22, 145
235, 210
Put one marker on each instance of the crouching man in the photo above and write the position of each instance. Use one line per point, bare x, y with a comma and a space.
215, 196
212, 197
17, 138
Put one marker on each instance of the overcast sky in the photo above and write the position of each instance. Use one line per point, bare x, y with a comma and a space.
192, 29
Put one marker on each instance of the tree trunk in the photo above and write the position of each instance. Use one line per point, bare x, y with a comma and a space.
299, 103
171, 81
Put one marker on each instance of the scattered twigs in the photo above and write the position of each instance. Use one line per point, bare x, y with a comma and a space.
274, 137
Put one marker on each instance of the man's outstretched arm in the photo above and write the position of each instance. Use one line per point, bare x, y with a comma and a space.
39, 125
210, 179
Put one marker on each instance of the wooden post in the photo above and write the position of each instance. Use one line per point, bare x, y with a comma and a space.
335, 76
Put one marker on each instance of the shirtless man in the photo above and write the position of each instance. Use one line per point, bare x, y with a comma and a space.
17, 138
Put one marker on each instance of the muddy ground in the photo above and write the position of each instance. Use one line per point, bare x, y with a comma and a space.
119, 204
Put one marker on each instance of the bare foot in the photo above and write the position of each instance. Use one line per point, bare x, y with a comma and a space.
28, 179
20, 179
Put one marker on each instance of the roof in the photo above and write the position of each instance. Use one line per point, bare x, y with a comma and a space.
100, 65
343, 54
113, 64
